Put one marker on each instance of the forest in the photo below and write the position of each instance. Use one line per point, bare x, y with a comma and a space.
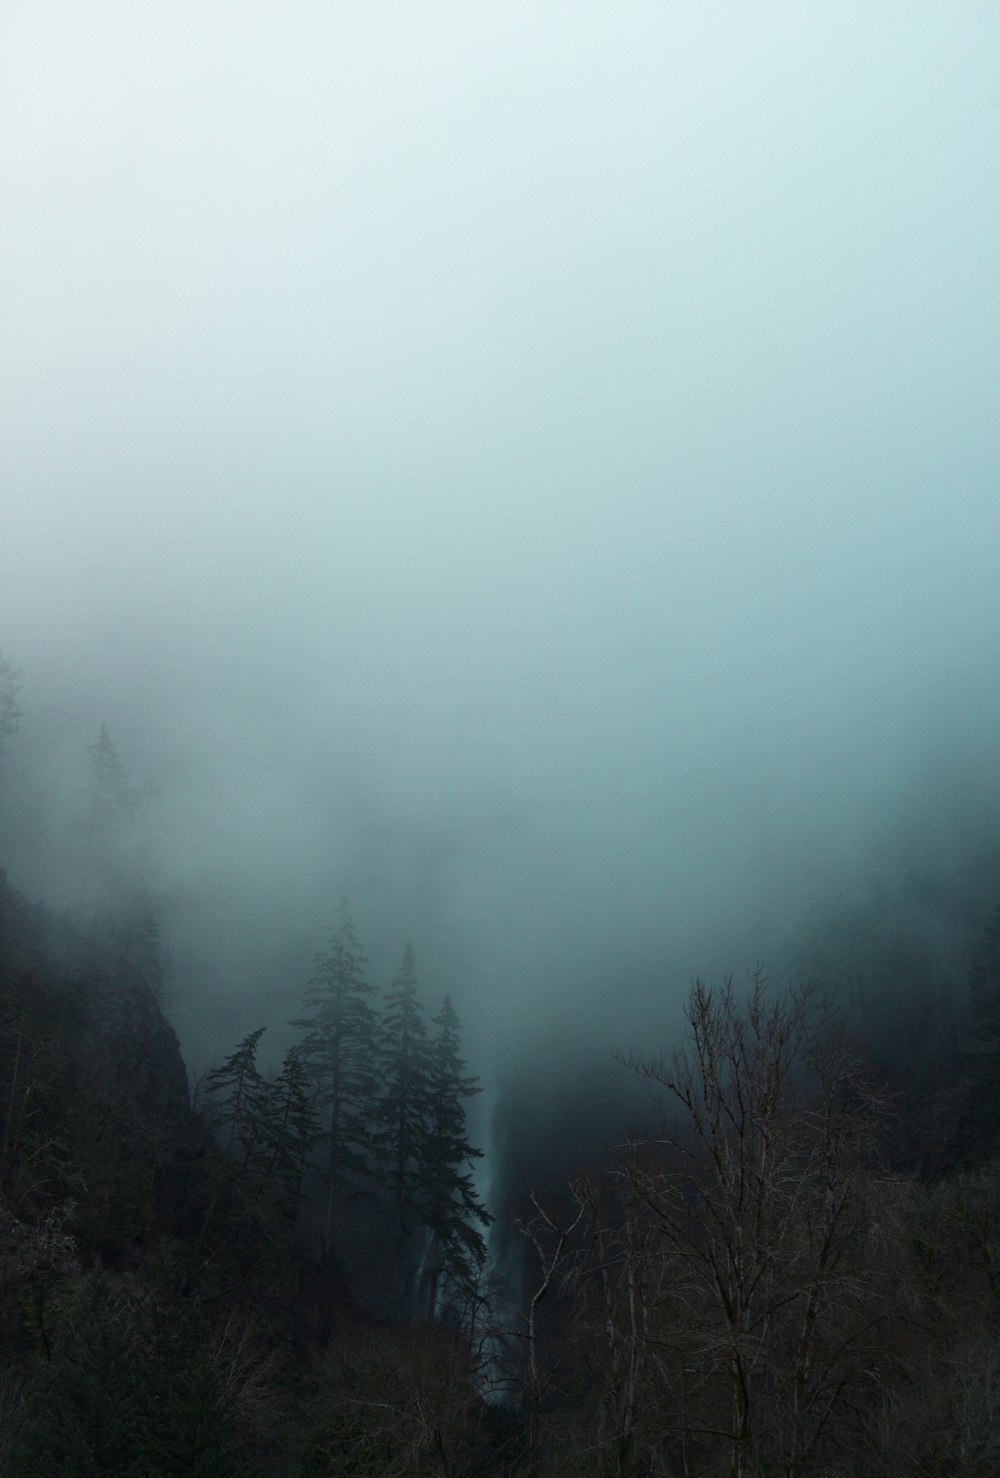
780, 1257
499, 802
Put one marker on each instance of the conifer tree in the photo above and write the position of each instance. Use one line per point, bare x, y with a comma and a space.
449, 1205
289, 1130
241, 1094
339, 1051
402, 1110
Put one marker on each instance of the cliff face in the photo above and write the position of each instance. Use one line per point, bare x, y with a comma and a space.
117, 1216
94, 1110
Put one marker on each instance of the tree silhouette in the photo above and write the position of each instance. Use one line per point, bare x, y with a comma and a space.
289, 1129
339, 1050
401, 1114
241, 1092
449, 1204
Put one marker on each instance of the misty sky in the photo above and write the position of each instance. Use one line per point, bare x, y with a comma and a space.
534, 466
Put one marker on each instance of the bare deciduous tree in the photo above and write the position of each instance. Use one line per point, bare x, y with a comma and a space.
550, 1236
399, 1404
765, 1205
623, 1279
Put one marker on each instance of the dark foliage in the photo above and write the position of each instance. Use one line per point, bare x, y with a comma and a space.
794, 1272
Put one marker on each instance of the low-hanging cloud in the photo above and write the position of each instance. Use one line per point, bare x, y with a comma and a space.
534, 469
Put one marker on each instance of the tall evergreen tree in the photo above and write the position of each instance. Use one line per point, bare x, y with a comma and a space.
449, 1205
240, 1094
289, 1130
402, 1110
339, 1052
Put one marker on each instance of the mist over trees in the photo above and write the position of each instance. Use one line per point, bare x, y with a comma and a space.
339, 1052
777, 1254
499, 801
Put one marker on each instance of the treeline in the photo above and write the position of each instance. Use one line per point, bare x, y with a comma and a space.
903, 960
281, 1278
163, 1305
794, 1267
789, 1269
746, 1288
742, 1286
368, 1110
372, 1105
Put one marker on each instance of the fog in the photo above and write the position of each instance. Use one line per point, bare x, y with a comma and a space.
530, 467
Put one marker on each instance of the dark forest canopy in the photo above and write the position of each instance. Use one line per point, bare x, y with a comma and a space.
715, 1256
